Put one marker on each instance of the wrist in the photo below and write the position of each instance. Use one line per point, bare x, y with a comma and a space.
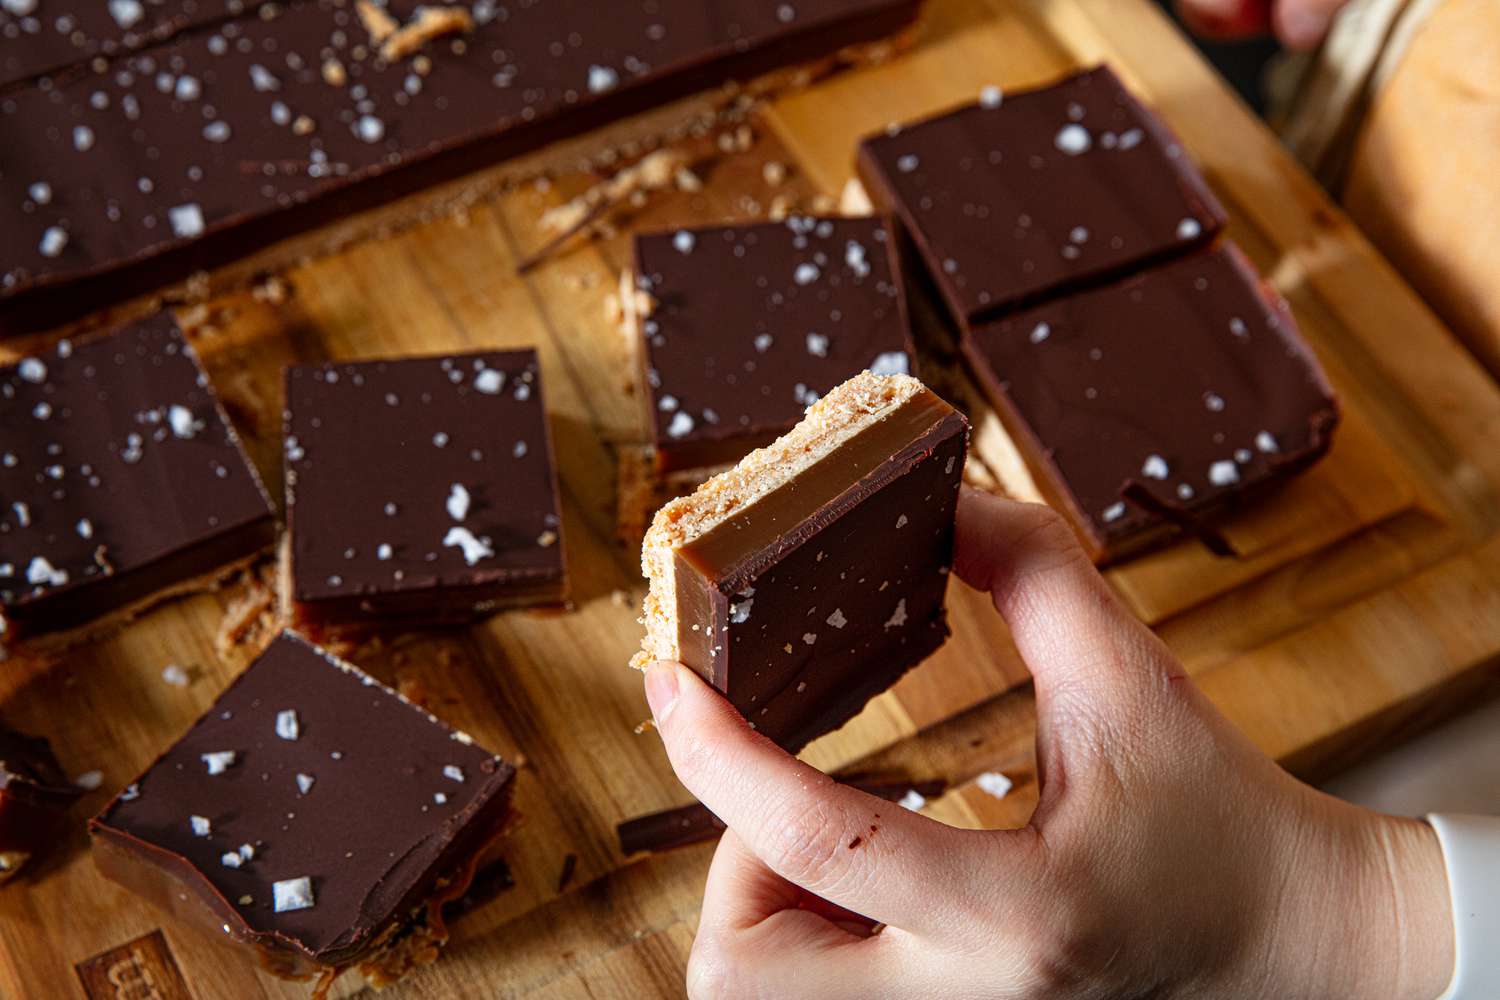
1393, 921
1427, 932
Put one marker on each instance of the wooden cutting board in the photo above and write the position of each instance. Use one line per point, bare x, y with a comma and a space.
1366, 598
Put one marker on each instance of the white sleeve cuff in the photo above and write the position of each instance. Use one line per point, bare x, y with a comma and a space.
1471, 855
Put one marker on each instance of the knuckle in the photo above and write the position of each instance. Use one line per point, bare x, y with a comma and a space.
1071, 947
692, 757
1051, 548
802, 842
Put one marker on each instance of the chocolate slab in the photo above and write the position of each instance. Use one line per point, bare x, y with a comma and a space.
805, 603
693, 824
193, 153
311, 814
34, 796
420, 489
122, 478
1159, 402
1011, 198
751, 324
38, 37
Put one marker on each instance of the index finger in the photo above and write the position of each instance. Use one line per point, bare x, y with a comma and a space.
867, 855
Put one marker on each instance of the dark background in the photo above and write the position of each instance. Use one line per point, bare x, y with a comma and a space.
1241, 62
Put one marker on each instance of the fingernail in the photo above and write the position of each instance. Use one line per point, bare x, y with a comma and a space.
661, 690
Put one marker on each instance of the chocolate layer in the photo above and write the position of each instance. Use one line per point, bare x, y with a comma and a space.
819, 595
38, 37
122, 477
1159, 402
34, 796
194, 153
306, 768
752, 324
1012, 198
421, 489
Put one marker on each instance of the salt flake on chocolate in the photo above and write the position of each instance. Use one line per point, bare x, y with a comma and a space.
489, 381
41, 572
54, 239
292, 894
474, 549
186, 220
180, 418
602, 78
1223, 473
127, 13
458, 502
218, 761
1073, 139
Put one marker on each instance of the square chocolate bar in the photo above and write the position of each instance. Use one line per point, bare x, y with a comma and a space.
123, 483
749, 325
420, 490
1011, 199
1157, 403
137, 169
312, 815
811, 576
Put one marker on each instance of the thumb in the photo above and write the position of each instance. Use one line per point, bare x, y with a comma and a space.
1073, 633
860, 852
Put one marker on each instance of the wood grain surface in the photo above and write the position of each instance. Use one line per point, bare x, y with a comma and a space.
1365, 601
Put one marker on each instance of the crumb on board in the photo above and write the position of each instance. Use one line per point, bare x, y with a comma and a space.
251, 613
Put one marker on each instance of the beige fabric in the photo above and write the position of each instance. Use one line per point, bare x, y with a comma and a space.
1424, 181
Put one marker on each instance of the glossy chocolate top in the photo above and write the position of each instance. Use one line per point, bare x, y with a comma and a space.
752, 324
1188, 381
227, 126
308, 769
114, 454
411, 474
1016, 196
40, 36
